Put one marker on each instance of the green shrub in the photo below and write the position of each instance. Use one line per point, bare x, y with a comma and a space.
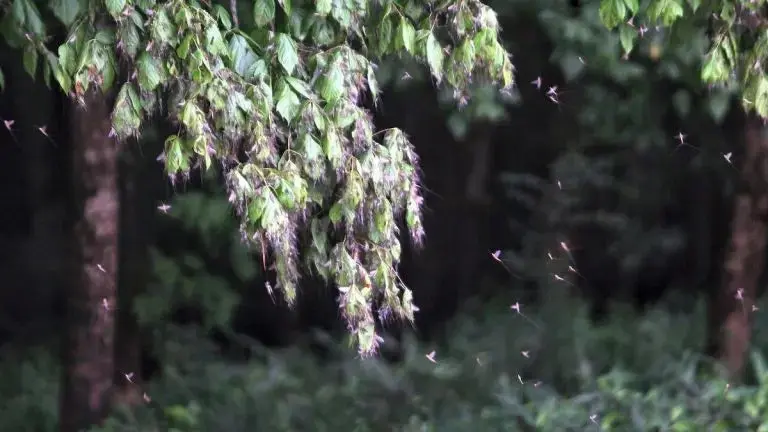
634, 373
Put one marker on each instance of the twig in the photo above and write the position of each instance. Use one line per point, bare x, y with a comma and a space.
233, 11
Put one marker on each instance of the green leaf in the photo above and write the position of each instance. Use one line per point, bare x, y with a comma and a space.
342, 15
612, 12
67, 58
300, 86
715, 69
214, 41
263, 12
435, 57
30, 60
312, 150
115, 7
108, 73
150, 72
323, 7
336, 213
175, 159
126, 118
332, 84
66, 11
34, 22
287, 102
666, 11
286, 52
129, 36
286, 5
384, 34
163, 31
406, 36
332, 147
695, 4
323, 33
627, 36
222, 15
373, 85
633, 6
241, 55
18, 12
183, 49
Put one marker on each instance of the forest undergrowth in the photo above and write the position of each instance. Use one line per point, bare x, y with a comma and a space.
497, 370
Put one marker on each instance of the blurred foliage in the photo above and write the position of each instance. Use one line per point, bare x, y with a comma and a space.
635, 373
190, 275
728, 34
617, 118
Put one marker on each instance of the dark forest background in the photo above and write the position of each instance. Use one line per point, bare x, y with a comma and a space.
577, 232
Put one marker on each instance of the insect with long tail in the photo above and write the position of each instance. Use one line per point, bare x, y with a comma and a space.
497, 257
9, 125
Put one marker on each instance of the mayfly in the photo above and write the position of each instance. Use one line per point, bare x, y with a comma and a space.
9, 125
567, 250
552, 94
164, 208
740, 297
517, 308
562, 279
537, 83
497, 257
572, 269
44, 130
431, 357
680, 138
270, 291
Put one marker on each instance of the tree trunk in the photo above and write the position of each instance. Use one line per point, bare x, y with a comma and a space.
136, 221
89, 339
731, 307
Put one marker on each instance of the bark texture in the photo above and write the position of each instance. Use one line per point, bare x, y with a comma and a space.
91, 301
732, 306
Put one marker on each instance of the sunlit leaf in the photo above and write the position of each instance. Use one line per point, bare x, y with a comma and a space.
66, 11
286, 52
406, 36
287, 101
115, 7
150, 72
612, 12
435, 56
263, 12
323, 7
332, 84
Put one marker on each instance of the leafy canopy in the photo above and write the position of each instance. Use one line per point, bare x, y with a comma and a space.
282, 103
736, 57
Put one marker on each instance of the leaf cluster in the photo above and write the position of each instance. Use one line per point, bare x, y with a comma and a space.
738, 40
282, 105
